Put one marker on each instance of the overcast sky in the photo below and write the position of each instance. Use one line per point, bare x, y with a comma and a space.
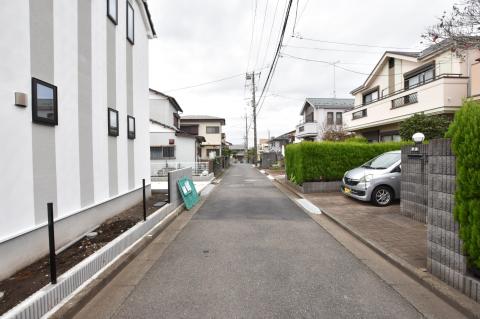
200, 41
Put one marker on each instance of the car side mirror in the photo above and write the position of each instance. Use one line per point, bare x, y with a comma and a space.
397, 169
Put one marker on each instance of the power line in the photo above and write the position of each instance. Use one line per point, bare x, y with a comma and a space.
349, 43
261, 33
253, 32
270, 34
276, 56
333, 50
295, 20
206, 83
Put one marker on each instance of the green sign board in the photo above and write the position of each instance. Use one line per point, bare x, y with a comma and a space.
188, 191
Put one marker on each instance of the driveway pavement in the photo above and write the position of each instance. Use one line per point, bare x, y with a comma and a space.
250, 252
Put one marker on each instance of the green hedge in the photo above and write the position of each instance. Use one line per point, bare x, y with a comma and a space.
465, 134
328, 161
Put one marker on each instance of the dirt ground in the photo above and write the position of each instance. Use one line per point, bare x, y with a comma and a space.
35, 276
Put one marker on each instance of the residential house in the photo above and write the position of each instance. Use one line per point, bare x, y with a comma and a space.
208, 126
170, 148
321, 115
432, 81
262, 146
277, 144
238, 152
74, 92
475, 80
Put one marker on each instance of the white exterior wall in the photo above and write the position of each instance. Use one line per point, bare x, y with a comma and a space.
441, 96
19, 220
185, 147
161, 110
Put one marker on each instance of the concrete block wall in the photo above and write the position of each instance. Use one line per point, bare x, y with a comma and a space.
173, 192
445, 258
414, 182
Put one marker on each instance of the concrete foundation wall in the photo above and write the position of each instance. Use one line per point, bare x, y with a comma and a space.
23, 250
317, 187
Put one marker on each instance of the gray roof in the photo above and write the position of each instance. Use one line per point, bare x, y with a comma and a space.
171, 99
202, 118
330, 102
235, 147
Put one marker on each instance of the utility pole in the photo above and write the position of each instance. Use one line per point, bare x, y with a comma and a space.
251, 76
246, 136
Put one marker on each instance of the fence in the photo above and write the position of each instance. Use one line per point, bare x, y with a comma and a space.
159, 169
428, 188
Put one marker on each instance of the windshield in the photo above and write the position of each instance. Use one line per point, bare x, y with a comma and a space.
383, 161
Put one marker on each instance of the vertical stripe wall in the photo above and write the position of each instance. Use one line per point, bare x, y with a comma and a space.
75, 164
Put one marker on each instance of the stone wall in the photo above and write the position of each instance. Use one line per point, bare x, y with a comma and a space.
445, 258
414, 187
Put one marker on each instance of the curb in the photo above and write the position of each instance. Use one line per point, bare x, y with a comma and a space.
86, 293
448, 294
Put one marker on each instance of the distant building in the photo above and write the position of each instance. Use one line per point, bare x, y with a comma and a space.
432, 81
277, 144
320, 115
208, 126
170, 148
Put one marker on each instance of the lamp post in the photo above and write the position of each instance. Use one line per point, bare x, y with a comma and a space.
418, 138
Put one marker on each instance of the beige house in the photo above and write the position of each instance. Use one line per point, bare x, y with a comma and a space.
433, 81
209, 127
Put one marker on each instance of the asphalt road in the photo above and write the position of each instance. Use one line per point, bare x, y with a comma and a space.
250, 252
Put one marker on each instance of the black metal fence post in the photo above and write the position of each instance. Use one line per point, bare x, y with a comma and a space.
144, 201
51, 244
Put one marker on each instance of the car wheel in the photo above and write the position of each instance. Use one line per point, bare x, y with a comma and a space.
382, 196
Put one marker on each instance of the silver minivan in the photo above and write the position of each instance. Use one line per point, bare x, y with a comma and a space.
378, 180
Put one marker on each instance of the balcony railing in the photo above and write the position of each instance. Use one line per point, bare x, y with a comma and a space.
386, 96
307, 129
405, 100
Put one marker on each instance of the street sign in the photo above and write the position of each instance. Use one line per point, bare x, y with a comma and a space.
189, 193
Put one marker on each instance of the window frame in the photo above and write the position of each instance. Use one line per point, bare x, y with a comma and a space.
113, 19
336, 118
330, 121
129, 6
417, 72
162, 147
112, 131
38, 119
369, 92
217, 127
131, 134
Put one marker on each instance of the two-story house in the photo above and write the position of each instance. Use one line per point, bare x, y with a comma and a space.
74, 116
208, 126
277, 144
432, 81
170, 148
320, 115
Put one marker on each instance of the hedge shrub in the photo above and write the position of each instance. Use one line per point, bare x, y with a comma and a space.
328, 161
432, 126
465, 134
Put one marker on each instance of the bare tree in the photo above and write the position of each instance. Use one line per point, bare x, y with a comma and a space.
461, 26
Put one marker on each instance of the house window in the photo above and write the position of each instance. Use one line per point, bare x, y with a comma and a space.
338, 119
175, 120
309, 118
112, 10
359, 114
44, 103
112, 122
162, 152
212, 150
370, 97
131, 127
330, 118
213, 129
130, 23
424, 75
